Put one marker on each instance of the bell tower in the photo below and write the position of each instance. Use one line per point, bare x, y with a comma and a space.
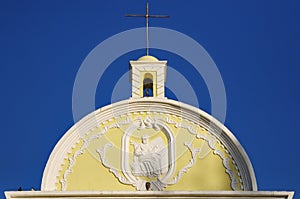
148, 76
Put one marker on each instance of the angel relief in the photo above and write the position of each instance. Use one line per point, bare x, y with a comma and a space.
149, 158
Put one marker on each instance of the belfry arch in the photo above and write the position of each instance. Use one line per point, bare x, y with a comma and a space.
148, 76
148, 85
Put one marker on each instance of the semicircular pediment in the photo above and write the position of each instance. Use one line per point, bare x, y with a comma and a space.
141, 144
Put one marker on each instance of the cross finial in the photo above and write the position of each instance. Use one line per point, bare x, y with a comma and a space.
147, 16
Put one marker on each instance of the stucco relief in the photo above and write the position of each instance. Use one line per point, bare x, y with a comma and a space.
153, 159
148, 157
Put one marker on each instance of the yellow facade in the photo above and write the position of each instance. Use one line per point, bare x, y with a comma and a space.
212, 168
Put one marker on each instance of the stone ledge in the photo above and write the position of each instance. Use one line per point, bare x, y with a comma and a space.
149, 194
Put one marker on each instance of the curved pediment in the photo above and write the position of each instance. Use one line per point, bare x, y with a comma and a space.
146, 143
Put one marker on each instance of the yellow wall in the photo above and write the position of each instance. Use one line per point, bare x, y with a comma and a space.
88, 172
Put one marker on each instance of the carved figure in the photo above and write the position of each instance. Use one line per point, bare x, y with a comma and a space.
147, 159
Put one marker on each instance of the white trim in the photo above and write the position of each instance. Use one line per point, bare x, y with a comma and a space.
165, 106
150, 194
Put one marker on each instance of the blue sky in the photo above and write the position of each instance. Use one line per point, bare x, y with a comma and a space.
255, 45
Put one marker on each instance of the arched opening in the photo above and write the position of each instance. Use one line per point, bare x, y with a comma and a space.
148, 85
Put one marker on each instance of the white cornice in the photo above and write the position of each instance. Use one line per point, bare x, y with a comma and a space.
150, 194
148, 104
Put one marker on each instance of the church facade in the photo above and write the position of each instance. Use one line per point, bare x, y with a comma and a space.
148, 146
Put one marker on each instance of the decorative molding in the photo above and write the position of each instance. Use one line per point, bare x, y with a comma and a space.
212, 144
148, 123
154, 105
107, 165
150, 194
86, 143
69, 170
194, 153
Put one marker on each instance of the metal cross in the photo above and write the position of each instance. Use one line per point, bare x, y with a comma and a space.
147, 16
